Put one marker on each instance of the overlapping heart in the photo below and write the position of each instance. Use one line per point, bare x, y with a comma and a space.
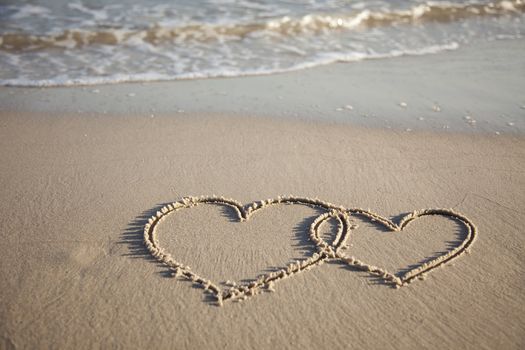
420, 270
325, 251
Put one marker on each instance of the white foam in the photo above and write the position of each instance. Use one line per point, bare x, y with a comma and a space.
323, 59
99, 15
29, 10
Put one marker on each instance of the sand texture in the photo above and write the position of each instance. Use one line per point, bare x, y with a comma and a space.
326, 251
88, 200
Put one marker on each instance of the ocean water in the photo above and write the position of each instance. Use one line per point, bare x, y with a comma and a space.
59, 42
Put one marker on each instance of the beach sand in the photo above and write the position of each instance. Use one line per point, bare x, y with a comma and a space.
78, 188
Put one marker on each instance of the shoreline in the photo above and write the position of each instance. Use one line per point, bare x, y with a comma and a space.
473, 89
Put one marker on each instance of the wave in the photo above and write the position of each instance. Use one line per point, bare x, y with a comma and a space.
284, 26
322, 59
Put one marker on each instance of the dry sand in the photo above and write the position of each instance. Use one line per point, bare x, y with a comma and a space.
77, 190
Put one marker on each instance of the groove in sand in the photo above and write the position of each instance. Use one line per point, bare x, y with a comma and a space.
324, 252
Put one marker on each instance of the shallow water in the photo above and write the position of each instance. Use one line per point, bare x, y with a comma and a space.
49, 42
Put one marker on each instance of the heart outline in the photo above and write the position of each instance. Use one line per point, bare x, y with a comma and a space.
420, 270
325, 250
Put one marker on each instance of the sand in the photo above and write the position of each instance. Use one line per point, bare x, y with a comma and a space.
76, 272
78, 189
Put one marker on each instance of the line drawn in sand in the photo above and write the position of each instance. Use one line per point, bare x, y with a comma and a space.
324, 250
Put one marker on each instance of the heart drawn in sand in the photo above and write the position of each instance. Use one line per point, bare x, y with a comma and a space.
325, 251
419, 270
240, 292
